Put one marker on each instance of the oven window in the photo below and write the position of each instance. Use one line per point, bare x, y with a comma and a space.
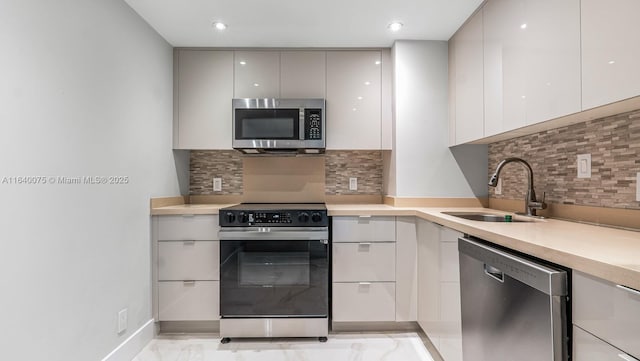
273, 269
267, 124
274, 278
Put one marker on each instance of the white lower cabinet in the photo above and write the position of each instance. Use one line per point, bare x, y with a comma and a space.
186, 259
364, 301
608, 311
587, 347
439, 313
188, 300
372, 262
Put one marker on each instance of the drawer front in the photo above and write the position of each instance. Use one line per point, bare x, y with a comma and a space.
364, 229
188, 260
607, 311
188, 227
354, 262
587, 347
362, 302
189, 301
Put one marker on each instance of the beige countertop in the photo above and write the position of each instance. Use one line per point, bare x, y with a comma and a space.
608, 253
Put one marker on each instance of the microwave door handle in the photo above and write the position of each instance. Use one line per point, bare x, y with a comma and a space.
301, 123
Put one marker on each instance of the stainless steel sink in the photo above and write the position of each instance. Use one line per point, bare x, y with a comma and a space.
484, 217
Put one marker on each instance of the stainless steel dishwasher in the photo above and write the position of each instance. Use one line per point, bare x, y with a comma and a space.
512, 308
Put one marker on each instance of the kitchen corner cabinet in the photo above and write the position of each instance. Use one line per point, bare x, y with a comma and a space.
439, 310
354, 95
468, 112
605, 316
186, 268
610, 51
363, 268
531, 62
203, 82
256, 74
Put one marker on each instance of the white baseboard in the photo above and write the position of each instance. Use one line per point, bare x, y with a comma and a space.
132, 346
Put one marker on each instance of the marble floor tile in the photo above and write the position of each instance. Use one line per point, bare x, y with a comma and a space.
340, 347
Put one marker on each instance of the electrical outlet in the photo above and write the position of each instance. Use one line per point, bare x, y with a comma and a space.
499, 187
638, 187
122, 320
584, 165
217, 184
353, 184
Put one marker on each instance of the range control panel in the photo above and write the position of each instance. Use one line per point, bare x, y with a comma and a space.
274, 218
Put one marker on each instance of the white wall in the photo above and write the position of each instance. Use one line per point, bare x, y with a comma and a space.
86, 89
424, 165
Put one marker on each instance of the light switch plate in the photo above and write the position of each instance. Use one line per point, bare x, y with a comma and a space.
353, 184
638, 187
584, 165
122, 321
217, 184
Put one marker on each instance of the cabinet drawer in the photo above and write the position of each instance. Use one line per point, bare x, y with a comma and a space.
188, 301
188, 260
353, 262
364, 229
360, 302
587, 347
188, 227
607, 311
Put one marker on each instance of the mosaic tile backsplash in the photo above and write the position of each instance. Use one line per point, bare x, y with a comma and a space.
614, 145
340, 165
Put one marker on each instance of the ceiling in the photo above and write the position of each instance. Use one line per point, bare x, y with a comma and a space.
302, 23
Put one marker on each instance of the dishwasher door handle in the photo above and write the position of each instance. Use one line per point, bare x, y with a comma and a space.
494, 273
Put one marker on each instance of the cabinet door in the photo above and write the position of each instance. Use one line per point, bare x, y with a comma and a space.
204, 88
587, 347
257, 74
531, 62
353, 262
189, 301
302, 74
188, 260
354, 99
469, 102
610, 51
364, 301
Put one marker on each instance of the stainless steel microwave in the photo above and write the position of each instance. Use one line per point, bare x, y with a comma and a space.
279, 126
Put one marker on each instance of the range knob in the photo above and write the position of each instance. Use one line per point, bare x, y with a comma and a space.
230, 217
303, 217
243, 217
316, 217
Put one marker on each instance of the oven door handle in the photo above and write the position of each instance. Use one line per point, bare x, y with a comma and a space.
270, 234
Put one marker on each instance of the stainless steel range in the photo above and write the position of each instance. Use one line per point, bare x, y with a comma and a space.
274, 271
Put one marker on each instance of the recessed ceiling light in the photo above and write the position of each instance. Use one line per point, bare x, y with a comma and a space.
612, 61
378, 62
395, 26
367, 83
523, 26
243, 63
219, 26
360, 98
256, 84
354, 109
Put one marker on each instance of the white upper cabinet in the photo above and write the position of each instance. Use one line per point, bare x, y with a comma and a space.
531, 62
467, 62
202, 110
354, 99
257, 74
302, 74
610, 51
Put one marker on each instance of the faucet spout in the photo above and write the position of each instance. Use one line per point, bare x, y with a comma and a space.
531, 204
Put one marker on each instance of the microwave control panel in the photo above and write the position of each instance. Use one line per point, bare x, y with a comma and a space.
313, 124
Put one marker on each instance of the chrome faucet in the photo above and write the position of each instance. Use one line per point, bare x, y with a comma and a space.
530, 202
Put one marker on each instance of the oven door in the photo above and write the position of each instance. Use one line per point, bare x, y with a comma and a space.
273, 277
